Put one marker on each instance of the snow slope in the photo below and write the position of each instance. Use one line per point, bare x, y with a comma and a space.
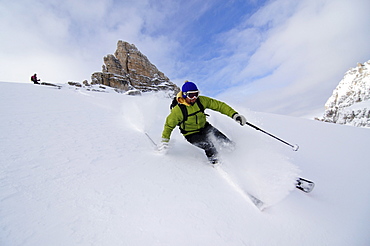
77, 169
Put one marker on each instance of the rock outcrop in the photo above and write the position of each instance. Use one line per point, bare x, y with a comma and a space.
128, 69
350, 102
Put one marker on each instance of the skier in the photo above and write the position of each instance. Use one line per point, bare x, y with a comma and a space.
34, 79
189, 115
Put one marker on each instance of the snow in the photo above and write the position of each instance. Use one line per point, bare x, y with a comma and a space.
78, 169
360, 106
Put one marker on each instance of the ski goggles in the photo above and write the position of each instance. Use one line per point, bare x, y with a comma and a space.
192, 94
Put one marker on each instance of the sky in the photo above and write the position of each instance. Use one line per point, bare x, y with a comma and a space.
278, 56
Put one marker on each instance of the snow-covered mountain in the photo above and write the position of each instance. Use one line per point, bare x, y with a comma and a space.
78, 169
350, 102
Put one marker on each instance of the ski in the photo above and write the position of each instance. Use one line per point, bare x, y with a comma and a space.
305, 185
257, 202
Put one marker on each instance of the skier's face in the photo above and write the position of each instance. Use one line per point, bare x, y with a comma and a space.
191, 97
190, 100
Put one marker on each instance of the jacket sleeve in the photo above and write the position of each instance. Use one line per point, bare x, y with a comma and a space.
218, 106
174, 118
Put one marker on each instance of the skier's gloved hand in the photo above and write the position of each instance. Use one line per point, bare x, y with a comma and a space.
240, 119
163, 146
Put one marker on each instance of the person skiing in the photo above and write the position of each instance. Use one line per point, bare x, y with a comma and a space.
189, 115
34, 79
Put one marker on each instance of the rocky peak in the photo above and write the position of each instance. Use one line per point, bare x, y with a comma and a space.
129, 69
350, 101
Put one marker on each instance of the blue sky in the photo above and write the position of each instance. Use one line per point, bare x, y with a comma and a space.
278, 56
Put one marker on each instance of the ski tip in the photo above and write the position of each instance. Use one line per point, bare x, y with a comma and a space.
257, 202
261, 207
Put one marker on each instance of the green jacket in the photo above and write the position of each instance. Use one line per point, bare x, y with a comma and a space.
195, 122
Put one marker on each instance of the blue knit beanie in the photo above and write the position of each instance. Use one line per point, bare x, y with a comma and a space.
188, 86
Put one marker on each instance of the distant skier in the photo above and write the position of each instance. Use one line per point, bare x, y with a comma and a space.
34, 79
188, 114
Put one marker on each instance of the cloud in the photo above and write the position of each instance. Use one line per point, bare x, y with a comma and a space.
301, 56
67, 40
281, 56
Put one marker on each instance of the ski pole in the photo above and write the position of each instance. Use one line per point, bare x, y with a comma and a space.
150, 139
294, 147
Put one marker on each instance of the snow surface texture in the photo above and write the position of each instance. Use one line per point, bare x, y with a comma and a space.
77, 169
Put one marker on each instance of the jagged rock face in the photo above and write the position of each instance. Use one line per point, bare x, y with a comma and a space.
112, 80
350, 102
129, 69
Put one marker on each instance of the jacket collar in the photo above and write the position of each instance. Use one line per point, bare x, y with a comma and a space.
181, 100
